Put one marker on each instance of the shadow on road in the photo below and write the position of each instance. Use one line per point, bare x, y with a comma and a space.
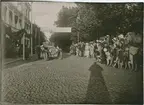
97, 91
134, 94
65, 55
128, 97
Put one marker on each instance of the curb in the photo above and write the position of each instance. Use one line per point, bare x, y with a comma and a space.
21, 59
12, 61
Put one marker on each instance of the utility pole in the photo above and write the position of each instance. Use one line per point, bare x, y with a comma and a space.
24, 46
23, 39
1, 44
77, 21
35, 34
2, 38
78, 36
31, 32
39, 37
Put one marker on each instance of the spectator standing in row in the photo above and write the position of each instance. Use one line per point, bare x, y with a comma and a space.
82, 49
27, 52
91, 50
87, 50
60, 53
38, 51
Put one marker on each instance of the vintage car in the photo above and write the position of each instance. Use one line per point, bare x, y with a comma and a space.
51, 52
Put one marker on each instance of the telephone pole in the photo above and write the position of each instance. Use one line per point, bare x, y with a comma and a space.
2, 38
39, 36
1, 44
24, 46
78, 36
31, 32
77, 21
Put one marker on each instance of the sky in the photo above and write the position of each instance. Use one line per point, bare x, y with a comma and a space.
45, 13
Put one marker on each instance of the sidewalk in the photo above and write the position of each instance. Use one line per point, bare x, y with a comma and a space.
11, 62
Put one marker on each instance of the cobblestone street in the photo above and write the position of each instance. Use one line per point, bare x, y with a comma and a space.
71, 80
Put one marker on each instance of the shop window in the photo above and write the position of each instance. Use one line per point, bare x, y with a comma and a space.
28, 14
19, 6
20, 23
5, 13
25, 26
16, 20
25, 12
10, 18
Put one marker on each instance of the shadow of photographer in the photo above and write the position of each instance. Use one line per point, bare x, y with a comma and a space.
97, 91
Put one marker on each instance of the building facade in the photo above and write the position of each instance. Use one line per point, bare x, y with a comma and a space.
16, 15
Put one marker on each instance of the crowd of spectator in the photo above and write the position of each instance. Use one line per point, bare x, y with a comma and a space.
122, 51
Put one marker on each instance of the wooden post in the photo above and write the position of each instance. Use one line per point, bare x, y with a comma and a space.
24, 46
1, 46
39, 37
31, 46
31, 33
78, 36
2, 39
36, 35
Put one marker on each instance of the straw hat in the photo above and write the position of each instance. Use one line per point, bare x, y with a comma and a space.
121, 36
105, 50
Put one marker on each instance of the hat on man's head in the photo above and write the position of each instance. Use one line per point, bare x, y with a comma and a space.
121, 36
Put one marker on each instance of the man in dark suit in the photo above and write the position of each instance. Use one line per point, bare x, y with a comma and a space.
38, 51
27, 51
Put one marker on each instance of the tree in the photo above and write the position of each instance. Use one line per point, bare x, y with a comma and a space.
62, 40
38, 35
95, 20
66, 16
119, 17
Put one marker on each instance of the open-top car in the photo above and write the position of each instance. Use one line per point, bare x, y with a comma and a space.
53, 52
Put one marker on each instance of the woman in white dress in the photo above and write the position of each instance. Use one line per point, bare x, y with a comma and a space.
91, 49
77, 50
87, 50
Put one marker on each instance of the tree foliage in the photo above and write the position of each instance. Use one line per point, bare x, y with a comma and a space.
96, 20
62, 40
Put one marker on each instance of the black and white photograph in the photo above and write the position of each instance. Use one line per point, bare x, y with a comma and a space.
58, 52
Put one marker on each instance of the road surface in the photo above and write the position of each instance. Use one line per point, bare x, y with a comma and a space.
70, 80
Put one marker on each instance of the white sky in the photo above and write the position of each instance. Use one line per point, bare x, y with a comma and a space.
45, 13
